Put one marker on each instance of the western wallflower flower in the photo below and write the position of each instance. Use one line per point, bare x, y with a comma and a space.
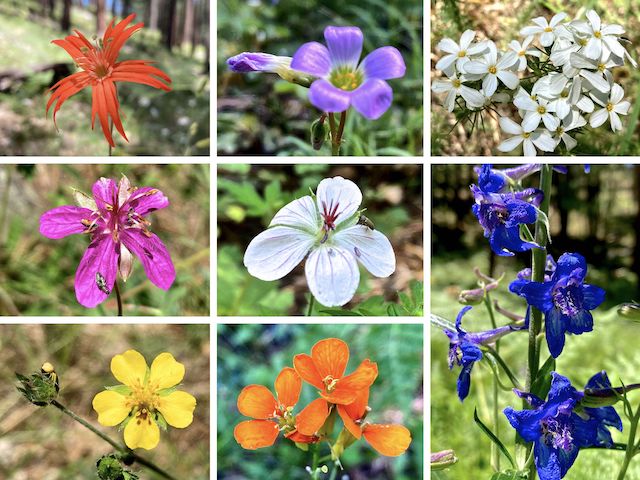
115, 220
146, 399
100, 70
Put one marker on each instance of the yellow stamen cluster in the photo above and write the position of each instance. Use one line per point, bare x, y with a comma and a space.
346, 79
456, 83
609, 107
493, 69
144, 401
330, 383
597, 34
462, 53
542, 110
548, 29
526, 134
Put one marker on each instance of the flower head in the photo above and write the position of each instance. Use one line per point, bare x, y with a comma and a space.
453, 86
548, 31
265, 62
146, 399
343, 82
612, 107
459, 53
100, 70
326, 227
530, 139
115, 221
491, 69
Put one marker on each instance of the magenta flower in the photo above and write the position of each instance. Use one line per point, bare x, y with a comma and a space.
114, 218
341, 81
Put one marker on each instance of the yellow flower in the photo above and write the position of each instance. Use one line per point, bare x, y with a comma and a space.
146, 399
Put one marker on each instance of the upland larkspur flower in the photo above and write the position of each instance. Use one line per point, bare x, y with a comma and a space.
115, 220
146, 399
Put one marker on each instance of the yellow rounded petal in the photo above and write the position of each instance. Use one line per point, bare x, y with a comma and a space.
111, 407
142, 433
165, 371
129, 368
177, 409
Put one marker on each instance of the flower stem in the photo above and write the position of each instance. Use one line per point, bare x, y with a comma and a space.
495, 453
336, 133
118, 297
632, 448
311, 302
111, 130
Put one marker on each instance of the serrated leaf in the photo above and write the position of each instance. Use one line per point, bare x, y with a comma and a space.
493, 437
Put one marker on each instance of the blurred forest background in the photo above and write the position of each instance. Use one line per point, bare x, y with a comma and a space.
255, 354
501, 22
37, 274
260, 114
596, 215
250, 195
43, 443
175, 36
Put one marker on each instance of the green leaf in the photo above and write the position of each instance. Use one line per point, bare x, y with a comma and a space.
121, 389
337, 312
493, 437
510, 475
542, 383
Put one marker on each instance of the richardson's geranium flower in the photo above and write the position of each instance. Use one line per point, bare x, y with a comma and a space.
341, 81
389, 440
146, 400
327, 228
274, 415
100, 70
115, 220
325, 369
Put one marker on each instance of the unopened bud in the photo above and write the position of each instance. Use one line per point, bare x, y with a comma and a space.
630, 310
443, 459
319, 133
40, 388
109, 468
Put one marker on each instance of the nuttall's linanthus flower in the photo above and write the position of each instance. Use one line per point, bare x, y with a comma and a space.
100, 70
601, 38
565, 300
274, 415
341, 81
459, 53
326, 227
453, 86
612, 107
265, 62
115, 220
146, 399
548, 31
530, 139
325, 368
559, 427
522, 50
464, 348
491, 68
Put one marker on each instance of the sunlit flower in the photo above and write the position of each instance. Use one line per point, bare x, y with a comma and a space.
274, 415
115, 220
548, 31
100, 70
601, 38
459, 53
491, 68
529, 139
522, 50
612, 108
146, 400
326, 227
453, 86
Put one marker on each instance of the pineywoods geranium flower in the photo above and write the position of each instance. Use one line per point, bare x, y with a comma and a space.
273, 415
325, 368
146, 399
327, 228
100, 70
115, 220
341, 81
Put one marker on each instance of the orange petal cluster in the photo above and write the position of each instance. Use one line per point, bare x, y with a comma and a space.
100, 70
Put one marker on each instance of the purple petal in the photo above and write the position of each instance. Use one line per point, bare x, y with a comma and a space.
62, 221
345, 45
152, 254
105, 192
372, 98
146, 200
99, 261
328, 98
312, 58
384, 63
251, 62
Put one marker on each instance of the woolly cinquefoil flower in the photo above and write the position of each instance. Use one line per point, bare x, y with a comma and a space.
146, 399
101, 71
327, 228
115, 220
341, 81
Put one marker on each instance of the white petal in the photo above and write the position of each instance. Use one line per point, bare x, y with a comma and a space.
614, 45
593, 49
541, 22
598, 117
446, 61
478, 48
476, 67
524, 102
580, 61
300, 213
489, 85
507, 60
448, 45
526, 31
276, 251
546, 39
557, 18
370, 247
473, 97
510, 79
450, 100
441, 86
597, 81
528, 149
531, 121
569, 142
616, 123
562, 109
594, 19
617, 93
466, 38
622, 108
339, 195
550, 121
332, 274
612, 29
544, 142
509, 126
510, 144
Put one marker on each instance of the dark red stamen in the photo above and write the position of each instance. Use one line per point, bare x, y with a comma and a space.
329, 215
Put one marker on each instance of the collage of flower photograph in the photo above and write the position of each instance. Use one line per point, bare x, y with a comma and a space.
405, 298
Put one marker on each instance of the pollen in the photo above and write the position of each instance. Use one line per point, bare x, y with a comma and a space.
456, 83
493, 69
601, 67
526, 134
521, 53
462, 53
345, 78
609, 107
330, 383
548, 29
597, 34
542, 110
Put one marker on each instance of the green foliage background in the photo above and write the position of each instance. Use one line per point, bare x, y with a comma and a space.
261, 114
255, 354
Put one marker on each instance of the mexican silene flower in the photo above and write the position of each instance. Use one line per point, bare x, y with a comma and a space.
341, 81
100, 70
115, 220
146, 400
325, 227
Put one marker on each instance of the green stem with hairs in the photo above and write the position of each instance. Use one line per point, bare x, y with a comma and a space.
336, 132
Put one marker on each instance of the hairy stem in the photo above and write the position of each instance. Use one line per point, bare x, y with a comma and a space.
118, 297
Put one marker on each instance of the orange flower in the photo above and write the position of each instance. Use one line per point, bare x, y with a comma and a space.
100, 71
324, 369
274, 415
388, 440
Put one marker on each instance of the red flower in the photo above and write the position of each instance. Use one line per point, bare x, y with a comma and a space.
100, 71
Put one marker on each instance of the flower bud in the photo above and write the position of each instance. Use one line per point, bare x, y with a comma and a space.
40, 388
443, 459
265, 62
319, 133
109, 468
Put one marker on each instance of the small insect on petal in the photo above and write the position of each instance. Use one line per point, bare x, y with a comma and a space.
366, 222
101, 283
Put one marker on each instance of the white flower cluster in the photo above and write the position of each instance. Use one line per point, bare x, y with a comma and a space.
572, 85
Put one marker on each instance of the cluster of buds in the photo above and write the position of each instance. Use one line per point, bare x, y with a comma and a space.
40, 388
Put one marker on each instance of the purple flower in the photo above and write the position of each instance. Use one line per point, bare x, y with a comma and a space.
341, 81
524, 276
114, 219
257, 62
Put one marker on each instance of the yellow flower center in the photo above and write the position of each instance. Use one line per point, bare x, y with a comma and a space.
582, 42
330, 383
526, 134
345, 78
521, 53
534, 97
560, 131
493, 69
609, 106
456, 83
462, 53
548, 29
542, 110
601, 67
144, 399
564, 93
597, 34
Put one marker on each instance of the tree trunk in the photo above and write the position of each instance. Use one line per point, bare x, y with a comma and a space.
114, 11
52, 7
126, 8
168, 33
65, 21
189, 18
153, 14
100, 20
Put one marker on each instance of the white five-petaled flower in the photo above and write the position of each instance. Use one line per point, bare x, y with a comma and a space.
491, 69
594, 71
548, 31
570, 122
326, 227
611, 108
536, 111
522, 50
530, 140
600, 37
459, 53
453, 87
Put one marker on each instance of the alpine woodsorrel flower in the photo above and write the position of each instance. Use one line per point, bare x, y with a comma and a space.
101, 72
565, 300
115, 220
327, 228
147, 399
341, 81
246, 62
